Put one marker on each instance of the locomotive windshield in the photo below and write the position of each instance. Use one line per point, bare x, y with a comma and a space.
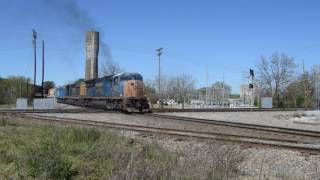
125, 77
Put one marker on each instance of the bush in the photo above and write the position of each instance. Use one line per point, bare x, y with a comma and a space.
52, 152
3, 121
47, 161
55, 152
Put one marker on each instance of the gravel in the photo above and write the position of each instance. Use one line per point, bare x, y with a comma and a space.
259, 163
307, 120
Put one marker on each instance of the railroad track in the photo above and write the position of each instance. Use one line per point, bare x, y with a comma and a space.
83, 110
276, 133
262, 128
88, 110
155, 110
242, 139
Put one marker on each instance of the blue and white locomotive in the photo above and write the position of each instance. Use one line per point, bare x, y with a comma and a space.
122, 91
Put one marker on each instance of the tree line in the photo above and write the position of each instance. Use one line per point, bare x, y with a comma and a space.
289, 84
177, 87
182, 89
278, 76
14, 87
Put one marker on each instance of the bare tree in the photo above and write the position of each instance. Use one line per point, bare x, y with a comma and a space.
182, 86
178, 87
220, 89
164, 86
274, 76
315, 81
150, 91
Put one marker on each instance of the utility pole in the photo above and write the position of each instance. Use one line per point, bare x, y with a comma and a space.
42, 83
159, 80
34, 42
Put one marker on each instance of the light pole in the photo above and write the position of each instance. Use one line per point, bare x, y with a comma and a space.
34, 41
159, 80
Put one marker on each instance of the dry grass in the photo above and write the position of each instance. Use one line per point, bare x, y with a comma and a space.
35, 151
55, 152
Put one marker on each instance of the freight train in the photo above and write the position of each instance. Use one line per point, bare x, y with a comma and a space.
122, 91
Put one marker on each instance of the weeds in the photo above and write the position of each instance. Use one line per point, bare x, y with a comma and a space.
54, 152
47, 161
3, 121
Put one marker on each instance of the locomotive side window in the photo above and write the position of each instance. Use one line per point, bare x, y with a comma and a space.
116, 80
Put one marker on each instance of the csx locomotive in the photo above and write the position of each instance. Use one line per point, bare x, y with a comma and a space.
122, 91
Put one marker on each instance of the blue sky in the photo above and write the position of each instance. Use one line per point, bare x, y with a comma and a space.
225, 37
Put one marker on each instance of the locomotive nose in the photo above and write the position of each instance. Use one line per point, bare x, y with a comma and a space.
133, 88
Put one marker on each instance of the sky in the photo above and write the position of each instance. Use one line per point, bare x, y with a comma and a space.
221, 37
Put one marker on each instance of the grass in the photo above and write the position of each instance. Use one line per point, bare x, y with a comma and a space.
33, 151
44, 151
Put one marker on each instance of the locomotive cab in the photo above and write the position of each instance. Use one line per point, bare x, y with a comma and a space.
131, 88
132, 85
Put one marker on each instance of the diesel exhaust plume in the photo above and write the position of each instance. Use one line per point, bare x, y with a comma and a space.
69, 12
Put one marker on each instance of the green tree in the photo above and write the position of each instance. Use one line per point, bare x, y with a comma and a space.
14, 87
299, 92
49, 84
79, 80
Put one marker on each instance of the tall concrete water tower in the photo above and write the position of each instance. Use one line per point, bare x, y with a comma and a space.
92, 51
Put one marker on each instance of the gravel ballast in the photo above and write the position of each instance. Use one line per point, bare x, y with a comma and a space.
306, 120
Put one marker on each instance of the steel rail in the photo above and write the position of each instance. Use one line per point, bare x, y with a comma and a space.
85, 110
270, 142
265, 128
159, 110
155, 110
